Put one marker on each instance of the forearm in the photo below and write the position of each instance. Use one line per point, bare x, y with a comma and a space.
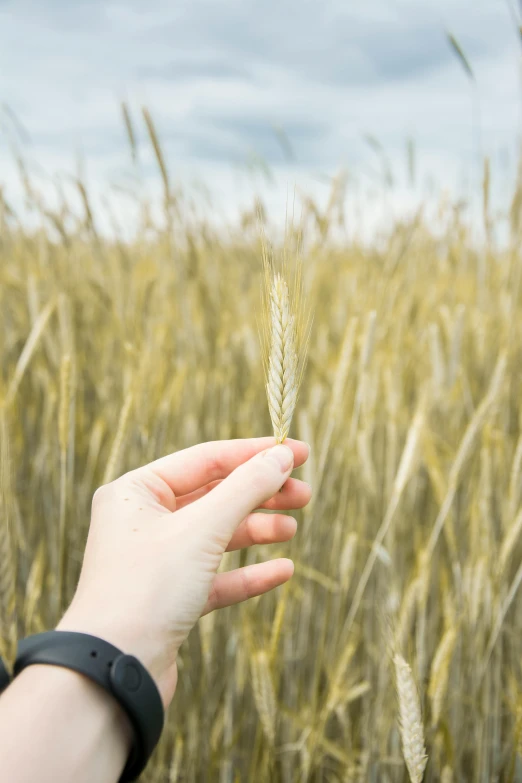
57, 726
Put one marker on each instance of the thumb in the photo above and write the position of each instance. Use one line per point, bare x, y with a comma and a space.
244, 490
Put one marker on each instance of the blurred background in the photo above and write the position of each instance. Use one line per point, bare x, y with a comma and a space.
150, 153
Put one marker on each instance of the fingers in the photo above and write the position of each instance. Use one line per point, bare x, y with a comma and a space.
187, 470
243, 583
244, 490
293, 494
263, 529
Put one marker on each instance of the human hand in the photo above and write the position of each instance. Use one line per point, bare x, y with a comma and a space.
158, 534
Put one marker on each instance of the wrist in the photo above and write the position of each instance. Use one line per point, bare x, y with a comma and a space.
49, 702
131, 640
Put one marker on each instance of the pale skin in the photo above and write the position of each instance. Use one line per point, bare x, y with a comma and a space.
156, 540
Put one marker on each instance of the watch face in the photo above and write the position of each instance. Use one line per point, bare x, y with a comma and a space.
5, 678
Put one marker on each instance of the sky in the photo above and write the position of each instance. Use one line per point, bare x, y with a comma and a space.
309, 88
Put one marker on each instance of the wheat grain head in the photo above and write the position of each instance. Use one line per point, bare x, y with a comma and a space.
285, 333
264, 693
410, 720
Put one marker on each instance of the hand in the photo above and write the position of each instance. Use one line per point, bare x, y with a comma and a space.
157, 537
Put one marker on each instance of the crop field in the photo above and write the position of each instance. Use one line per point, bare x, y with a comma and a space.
400, 633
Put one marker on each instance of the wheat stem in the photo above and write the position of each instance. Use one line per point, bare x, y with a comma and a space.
63, 437
8, 624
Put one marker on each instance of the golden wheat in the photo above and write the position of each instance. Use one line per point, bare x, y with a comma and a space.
116, 352
439, 675
264, 694
8, 624
281, 386
410, 720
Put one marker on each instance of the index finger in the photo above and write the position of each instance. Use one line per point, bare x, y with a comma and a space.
192, 468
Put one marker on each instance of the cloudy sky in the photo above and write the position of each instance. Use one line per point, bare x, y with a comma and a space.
307, 86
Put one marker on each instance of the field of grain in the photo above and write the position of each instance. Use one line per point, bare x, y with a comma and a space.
408, 558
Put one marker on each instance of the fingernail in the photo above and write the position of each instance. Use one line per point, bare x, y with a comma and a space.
283, 456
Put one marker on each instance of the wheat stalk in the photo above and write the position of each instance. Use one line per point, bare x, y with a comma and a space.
446, 775
277, 625
34, 587
177, 757
65, 403
407, 611
27, 352
439, 675
264, 693
347, 560
115, 452
410, 720
477, 421
64, 416
8, 621
338, 386
514, 479
281, 384
508, 543
404, 471
285, 334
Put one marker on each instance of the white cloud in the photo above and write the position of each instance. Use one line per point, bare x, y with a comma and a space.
219, 75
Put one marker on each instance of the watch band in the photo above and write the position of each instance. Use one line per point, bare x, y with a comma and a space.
5, 677
121, 675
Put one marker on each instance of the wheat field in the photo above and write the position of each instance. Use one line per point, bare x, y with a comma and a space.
408, 558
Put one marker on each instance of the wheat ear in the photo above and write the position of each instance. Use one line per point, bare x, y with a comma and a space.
281, 385
410, 721
285, 334
264, 694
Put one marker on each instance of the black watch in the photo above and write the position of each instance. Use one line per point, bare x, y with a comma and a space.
5, 677
123, 676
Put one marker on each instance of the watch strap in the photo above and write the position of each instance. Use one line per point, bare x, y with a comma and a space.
5, 677
123, 676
